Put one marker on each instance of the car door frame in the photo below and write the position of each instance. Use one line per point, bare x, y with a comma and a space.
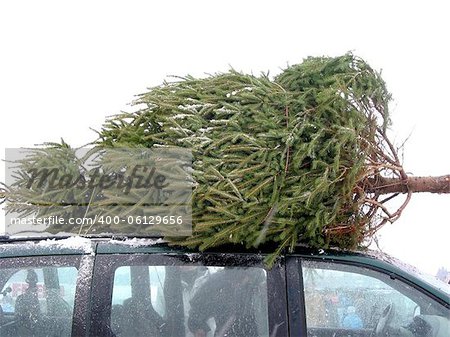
83, 263
106, 265
296, 296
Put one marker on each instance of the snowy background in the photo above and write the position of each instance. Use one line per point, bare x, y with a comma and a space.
65, 66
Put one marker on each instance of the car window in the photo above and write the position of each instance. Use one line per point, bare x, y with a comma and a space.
17, 285
37, 299
189, 301
341, 299
187, 294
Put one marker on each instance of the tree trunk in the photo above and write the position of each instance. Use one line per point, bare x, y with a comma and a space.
383, 185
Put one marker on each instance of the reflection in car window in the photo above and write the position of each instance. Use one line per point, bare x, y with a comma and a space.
37, 301
343, 299
189, 301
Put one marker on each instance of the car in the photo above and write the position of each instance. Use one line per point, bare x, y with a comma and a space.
115, 286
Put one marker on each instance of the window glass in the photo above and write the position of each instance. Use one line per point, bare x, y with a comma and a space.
37, 301
342, 298
156, 277
189, 301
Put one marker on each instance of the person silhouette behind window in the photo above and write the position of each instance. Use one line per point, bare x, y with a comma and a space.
192, 279
352, 319
229, 296
27, 309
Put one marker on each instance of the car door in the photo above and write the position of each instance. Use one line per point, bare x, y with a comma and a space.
333, 298
43, 295
176, 294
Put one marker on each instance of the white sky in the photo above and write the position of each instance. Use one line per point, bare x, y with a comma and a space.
65, 66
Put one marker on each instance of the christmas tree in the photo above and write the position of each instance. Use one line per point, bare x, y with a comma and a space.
300, 158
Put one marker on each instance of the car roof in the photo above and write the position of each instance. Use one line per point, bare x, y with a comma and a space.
79, 245
58, 245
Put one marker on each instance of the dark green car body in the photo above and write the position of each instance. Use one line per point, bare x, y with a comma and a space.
144, 287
